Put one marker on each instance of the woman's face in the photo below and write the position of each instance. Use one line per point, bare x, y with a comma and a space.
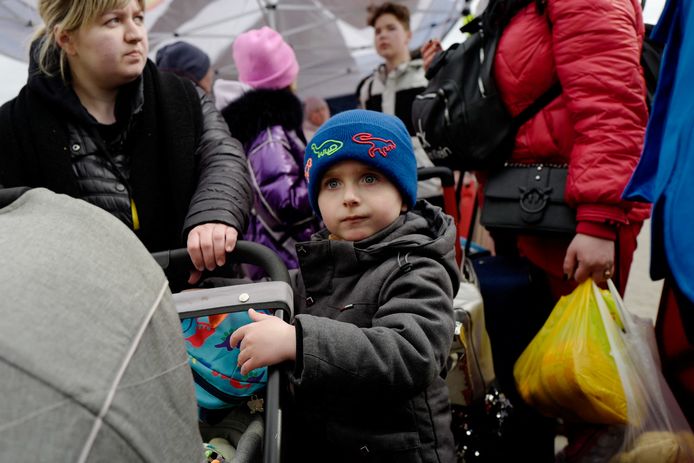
111, 50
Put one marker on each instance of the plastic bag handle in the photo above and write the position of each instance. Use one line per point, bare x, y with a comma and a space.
622, 310
617, 342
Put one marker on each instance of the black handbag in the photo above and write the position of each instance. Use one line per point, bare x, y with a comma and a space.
528, 198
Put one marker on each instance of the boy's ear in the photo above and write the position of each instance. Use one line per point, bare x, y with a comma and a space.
409, 36
403, 208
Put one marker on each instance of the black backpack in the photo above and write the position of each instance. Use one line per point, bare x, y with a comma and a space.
460, 119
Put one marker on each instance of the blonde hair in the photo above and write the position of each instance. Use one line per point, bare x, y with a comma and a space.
69, 15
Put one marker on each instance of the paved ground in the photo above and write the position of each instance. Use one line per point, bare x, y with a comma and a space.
642, 294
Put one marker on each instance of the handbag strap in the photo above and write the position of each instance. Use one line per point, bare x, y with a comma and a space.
544, 99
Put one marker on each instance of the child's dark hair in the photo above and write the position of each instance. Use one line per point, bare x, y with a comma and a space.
401, 12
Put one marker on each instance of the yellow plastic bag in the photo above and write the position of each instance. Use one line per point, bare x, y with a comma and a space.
567, 370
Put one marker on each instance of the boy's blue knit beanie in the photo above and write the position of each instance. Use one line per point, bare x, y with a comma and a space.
376, 139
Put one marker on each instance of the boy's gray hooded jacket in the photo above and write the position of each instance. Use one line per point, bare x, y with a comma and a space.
373, 339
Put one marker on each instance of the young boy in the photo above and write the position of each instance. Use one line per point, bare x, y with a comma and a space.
393, 86
369, 347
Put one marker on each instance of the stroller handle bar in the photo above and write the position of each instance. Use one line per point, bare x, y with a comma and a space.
443, 173
246, 252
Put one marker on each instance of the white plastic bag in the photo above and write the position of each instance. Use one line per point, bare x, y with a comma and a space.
656, 430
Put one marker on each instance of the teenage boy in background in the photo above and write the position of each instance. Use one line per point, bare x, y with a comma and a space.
393, 86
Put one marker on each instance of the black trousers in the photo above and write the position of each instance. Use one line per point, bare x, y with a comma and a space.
517, 301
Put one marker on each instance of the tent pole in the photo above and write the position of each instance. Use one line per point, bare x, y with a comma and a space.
269, 10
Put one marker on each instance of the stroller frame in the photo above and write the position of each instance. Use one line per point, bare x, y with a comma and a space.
273, 295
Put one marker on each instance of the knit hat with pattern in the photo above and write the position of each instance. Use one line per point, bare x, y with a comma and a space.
375, 139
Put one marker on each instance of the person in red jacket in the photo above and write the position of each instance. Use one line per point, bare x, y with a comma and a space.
596, 126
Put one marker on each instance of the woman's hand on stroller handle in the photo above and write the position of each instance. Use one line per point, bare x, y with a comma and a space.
208, 245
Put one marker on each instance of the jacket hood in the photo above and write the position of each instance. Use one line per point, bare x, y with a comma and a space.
424, 230
259, 109
227, 91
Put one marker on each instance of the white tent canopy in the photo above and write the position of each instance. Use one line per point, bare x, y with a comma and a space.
332, 42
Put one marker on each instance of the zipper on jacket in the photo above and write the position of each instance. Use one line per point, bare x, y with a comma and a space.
96, 137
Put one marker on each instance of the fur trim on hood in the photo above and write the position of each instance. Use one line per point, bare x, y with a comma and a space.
226, 91
259, 109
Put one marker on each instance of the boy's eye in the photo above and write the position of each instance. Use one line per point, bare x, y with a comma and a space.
331, 184
369, 179
140, 19
113, 20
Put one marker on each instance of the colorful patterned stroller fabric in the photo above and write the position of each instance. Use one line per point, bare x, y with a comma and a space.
219, 383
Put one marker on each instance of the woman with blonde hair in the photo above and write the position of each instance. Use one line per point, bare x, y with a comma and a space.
97, 121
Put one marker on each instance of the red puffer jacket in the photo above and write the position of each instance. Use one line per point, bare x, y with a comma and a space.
597, 125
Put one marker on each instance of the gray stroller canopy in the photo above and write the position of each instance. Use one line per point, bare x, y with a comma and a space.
92, 361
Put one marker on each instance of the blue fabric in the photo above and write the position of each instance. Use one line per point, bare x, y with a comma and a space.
215, 361
664, 174
376, 139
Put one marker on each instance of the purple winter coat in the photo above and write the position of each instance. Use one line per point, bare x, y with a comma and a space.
268, 124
